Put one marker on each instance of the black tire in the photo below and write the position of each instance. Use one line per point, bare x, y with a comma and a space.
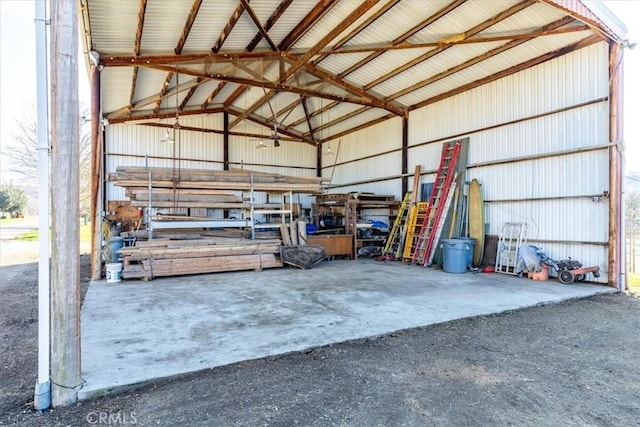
580, 277
566, 277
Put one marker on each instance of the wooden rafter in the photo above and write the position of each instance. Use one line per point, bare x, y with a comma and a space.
476, 29
402, 38
233, 57
314, 113
186, 29
325, 53
303, 59
318, 11
472, 31
486, 55
149, 114
267, 84
153, 99
604, 32
362, 26
233, 20
136, 48
588, 41
247, 68
257, 23
282, 7
341, 119
357, 90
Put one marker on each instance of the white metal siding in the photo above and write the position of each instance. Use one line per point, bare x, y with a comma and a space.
556, 112
128, 144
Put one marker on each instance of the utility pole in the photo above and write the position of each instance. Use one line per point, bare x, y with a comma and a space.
42, 395
65, 257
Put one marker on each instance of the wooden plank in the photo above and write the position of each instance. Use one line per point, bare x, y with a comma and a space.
286, 236
293, 230
173, 267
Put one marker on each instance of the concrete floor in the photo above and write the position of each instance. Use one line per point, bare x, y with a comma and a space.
136, 331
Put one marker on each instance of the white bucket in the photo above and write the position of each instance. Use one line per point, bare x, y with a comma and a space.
114, 272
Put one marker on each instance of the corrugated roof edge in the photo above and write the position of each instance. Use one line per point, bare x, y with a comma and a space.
595, 11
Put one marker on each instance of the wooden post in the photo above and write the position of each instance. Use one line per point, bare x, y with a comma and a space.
96, 173
65, 256
615, 166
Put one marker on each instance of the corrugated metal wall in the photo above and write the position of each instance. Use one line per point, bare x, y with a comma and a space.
537, 142
130, 144
357, 164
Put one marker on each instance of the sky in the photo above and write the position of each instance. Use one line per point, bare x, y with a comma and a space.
18, 73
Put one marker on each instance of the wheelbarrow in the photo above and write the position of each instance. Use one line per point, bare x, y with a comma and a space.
570, 271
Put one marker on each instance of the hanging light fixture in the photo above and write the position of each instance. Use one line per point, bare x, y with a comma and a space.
167, 138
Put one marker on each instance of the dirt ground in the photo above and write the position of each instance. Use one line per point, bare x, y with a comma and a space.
570, 364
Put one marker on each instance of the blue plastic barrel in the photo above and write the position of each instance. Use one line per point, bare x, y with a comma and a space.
115, 244
454, 255
471, 242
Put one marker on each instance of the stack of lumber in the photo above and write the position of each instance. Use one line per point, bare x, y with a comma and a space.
156, 258
204, 188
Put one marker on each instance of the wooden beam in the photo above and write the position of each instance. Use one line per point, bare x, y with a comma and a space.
233, 57
178, 50
153, 99
357, 90
186, 29
318, 11
341, 119
508, 71
215, 131
233, 20
601, 30
351, 49
472, 31
213, 95
344, 41
324, 41
274, 86
136, 48
282, 7
189, 94
66, 377
616, 215
510, 45
167, 114
360, 127
400, 39
258, 24
355, 31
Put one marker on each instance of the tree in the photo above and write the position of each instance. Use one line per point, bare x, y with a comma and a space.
12, 199
22, 155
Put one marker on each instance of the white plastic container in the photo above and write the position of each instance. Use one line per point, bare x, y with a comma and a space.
114, 272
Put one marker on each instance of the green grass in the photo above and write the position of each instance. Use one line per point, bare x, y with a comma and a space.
9, 221
85, 235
